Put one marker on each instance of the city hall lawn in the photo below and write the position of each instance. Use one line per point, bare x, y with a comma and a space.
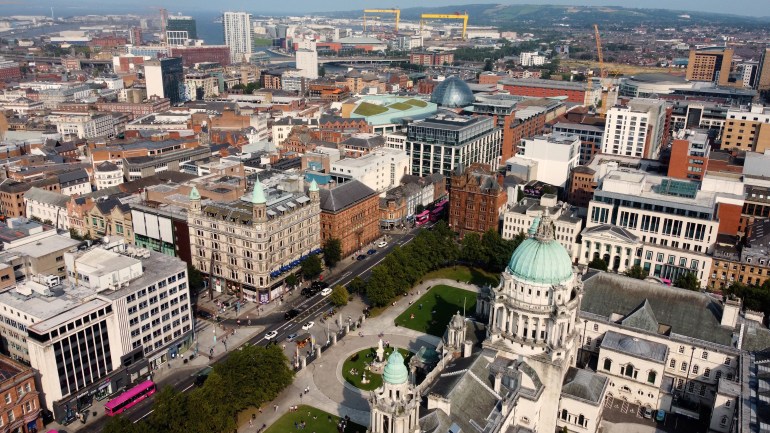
445, 301
466, 274
358, 361
317, 422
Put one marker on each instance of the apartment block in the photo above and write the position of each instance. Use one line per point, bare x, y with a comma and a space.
689, 155
637, 128
747, 128
380, 170
711, 64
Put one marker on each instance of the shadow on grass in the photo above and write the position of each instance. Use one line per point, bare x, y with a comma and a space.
432, 312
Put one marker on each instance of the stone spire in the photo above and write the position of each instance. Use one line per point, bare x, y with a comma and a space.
545, 230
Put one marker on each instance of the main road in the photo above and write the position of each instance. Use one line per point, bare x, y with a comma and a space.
313, 308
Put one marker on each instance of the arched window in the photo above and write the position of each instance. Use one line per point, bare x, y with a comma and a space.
607, 364
629, 371
651, 376
581, 420
564, 414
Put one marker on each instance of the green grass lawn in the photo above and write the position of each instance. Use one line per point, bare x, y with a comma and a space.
416, 103
400, 106
317, 421
445, 301
359, 360
369, 109
465, 274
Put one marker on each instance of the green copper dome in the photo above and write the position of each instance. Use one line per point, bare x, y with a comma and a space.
258, 194
395, 372
194, 194
540, 259
313, 186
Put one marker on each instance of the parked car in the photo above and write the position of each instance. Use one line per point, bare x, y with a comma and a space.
319, 285
647, 413
270, 335
660, 416
308, 325
361, 257
326, 292
203, 314
372, 251
382, 244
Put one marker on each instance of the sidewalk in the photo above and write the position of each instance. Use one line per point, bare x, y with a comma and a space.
327, 389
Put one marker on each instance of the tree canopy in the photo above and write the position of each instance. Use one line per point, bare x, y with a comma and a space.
637, 272
598, 263
332, 251
688, 281
311, 267
339, 296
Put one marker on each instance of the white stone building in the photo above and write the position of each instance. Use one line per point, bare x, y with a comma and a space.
549, 158
531, 59
238, 35
48, 206
106, 175
380, 170
518, 218
307, 63
86, 126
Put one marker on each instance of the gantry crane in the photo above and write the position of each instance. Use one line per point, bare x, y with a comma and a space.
365, 17
397, 12
455, 16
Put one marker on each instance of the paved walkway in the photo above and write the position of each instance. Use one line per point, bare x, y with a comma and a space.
327, 389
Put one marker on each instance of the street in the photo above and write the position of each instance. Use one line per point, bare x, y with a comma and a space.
313, 309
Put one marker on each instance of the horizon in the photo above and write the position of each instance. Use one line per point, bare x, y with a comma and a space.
746, 8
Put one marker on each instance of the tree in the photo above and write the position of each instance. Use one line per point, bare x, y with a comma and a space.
120, 424
472, 250
637, 272
332, 252
321, 71
339, 296
598, 263
170, 411
357, 285
688, 281
380, 288
311, 267
488, 65
292, 280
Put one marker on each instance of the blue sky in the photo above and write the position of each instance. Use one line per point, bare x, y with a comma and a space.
70, 7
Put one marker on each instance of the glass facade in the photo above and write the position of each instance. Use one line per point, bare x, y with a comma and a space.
452, 93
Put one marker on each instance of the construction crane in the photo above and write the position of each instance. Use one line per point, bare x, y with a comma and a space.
455, 16
602, 70
397, 12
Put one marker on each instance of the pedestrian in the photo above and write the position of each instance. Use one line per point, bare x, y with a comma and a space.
275, 408
251, 422
300, 396
238, 322
260, 410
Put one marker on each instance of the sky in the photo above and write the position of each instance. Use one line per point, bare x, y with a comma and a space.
71, 7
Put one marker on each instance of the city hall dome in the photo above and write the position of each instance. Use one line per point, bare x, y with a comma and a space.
452, 93
540, 259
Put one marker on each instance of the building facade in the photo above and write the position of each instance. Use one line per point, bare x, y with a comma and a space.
636, 129
238, 35
476, 200
350, 213
519, 217
711, 64
165, 79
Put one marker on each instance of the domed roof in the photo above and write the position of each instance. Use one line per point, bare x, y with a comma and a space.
395, 372
541, 259
194, 194
452, 93
258, 194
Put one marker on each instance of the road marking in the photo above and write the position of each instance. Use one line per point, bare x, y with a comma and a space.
145, 416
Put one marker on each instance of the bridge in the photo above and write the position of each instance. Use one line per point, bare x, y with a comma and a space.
358, 59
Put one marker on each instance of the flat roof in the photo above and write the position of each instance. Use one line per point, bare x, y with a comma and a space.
68, 316
45, 246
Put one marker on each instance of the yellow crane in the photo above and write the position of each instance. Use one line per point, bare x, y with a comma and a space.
602, 70
397, 12
371, 17
455, 16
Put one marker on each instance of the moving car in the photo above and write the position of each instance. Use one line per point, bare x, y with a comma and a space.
270, 335
382, 244
326, 292
308, 325
294, 312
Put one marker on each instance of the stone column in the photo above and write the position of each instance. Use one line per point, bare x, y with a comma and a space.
623, 258
334, 339
347, 328
303, 362
363, 318
519, 325
318, 352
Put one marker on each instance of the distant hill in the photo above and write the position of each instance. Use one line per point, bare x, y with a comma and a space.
545, 16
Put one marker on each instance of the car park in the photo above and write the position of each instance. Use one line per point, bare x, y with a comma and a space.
270, 335
326, 292
308, 325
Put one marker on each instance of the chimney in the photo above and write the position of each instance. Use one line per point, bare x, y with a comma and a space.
730, 312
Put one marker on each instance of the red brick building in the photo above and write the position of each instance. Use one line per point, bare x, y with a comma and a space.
490, 78
208, 53
517, 126
581, 186
328, 92
271, 80
20, 406
9, 71
689, 156
431, 59
350, 213
574, 91
107, 42
475, 200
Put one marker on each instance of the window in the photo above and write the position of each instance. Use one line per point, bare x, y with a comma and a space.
681, 349
695, 369
629, 371
8, 398
607, 364
727, 361
596, 326
672, 364
651, 376
705, 355
683, 367
707, 372
11, 416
